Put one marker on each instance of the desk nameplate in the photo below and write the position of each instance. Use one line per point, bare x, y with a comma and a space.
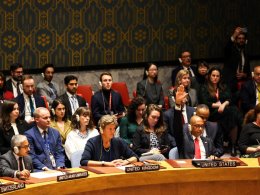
143, 168
70, 176
11, 187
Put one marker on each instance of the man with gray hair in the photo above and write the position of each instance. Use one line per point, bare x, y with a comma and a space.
16, 162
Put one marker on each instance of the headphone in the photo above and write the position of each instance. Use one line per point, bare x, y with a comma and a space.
180, 60
16, 150
101, 130
53, 111
100, 84
77, 117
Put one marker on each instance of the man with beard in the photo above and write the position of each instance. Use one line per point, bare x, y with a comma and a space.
14, 84
28, 101
106, 101
47, 87
16, 162
71, 100
236, 67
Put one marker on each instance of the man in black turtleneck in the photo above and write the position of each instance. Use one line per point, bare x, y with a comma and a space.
106, 100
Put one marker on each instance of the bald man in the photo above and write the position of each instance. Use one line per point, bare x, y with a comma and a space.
190, 142
45, 143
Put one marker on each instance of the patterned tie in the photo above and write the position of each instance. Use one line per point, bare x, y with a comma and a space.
20, 163
31, 105
53, 90
197, 148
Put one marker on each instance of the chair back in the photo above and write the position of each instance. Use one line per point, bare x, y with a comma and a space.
86, 92
121, 88
45, 102
75, 158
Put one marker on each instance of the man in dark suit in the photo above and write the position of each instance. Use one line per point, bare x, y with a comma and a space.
211, 130
185, 60
190, 142
106, 101
236, 66
14, 84
28, 101
168, 118
250, 91
45, 143
16, 162
71, 100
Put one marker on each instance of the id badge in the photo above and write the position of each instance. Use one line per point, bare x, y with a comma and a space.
52, 160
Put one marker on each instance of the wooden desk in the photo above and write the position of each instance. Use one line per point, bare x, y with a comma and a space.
239, 180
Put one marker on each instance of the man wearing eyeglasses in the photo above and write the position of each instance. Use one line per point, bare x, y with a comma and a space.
190, 142
250, 91
16, 162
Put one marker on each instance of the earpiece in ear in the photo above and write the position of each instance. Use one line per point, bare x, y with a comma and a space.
53, 111
16, 150
194, 113
77, 117
100, 84
180, 60
189, 127
101, 130
42, 74
146, 72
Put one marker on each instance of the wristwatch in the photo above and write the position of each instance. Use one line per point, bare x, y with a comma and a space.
103, 163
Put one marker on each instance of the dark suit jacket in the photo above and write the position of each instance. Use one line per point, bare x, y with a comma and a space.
185, 142
65, 99
8, 164
150, 98
5, 137
100, 105
8, 85
168, 118
38, 151
177, 69
141, 141
248, 96
39, 102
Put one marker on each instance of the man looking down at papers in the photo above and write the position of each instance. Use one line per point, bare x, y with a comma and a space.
104, 149
16, 162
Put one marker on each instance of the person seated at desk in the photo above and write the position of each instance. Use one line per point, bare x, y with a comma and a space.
83, 129
152, 136
104, 149
249, 140
45, 143
190, 142
16, 162
10, 124
132, 120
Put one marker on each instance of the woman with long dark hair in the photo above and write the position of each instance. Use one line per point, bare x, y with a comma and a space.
150, 140
217, 97
10, 124
149, 88
132, 120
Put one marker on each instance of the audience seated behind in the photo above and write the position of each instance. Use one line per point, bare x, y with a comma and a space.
4, 93
152, 136
149, 88
183, 78
47, 87
82, 130
249, 140
10, 125
28, 101
132, 120
70, 99
104, 149
106, 100
59, 119
217, 97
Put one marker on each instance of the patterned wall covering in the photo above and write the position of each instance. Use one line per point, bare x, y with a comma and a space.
99, 32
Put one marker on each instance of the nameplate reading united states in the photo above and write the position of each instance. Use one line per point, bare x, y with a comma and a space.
213, 164
70, 176
11, 187
142, 168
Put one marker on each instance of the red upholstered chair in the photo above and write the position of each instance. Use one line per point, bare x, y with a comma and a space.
86, 92
45, 101
121, 88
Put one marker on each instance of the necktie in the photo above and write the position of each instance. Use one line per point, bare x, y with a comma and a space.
53, 90
189, 72
74, 103
31, 105
197, 148
20, 163
46, 143
18, 88
258, 92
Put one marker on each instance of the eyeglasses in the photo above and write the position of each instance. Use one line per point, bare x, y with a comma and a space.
26, 146
199, 126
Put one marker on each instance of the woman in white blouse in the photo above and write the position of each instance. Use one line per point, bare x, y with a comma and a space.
82, 129
10, 124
